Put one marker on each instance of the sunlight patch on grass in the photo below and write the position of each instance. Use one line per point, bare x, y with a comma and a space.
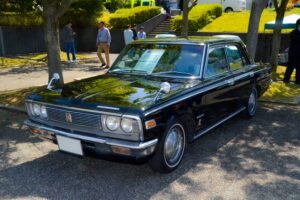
34, 60
282, 92
237, 22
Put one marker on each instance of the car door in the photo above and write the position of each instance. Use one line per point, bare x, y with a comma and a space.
218, 83
242, 74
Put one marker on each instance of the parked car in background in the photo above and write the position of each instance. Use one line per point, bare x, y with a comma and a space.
228, 5
159, 96
165, 35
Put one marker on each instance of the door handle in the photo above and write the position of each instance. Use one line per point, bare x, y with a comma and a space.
230, 82
251, 74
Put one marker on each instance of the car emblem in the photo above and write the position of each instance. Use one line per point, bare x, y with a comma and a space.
69, 117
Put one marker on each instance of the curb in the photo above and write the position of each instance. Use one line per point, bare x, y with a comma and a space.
11, 108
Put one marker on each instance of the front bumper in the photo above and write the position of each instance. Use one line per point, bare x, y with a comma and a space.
100, 145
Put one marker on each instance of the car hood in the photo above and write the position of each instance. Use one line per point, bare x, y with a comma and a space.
116, 91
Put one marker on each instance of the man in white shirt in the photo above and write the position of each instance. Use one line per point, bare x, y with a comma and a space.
128, 35
141, 34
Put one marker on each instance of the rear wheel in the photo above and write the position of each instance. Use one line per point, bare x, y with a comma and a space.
251, 104
170, 149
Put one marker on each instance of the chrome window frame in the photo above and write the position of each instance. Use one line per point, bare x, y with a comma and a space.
174, 43
206, 63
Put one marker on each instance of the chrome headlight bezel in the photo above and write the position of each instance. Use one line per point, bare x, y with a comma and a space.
36, 110
126, 125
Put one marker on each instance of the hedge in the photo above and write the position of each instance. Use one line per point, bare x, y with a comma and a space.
17, 19
199, 16
123, 17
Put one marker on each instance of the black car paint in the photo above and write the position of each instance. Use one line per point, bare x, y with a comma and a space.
191, 100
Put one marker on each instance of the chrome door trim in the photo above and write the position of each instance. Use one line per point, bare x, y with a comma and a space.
218, 123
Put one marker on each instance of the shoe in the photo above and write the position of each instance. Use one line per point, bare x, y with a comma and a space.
102, 65
75, 61
69, 61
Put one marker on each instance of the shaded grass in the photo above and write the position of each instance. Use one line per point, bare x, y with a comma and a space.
16, 98
33, 60
237, 22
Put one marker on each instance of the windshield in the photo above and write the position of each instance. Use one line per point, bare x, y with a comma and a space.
160, 59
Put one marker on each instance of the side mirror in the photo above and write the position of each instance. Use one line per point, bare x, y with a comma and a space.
55, 77
165, 87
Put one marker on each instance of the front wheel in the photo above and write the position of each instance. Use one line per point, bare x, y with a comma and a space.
251, 104
170, 149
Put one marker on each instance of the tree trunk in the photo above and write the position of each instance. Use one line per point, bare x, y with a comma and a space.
51, 28
185, 19
252, 35
276, 40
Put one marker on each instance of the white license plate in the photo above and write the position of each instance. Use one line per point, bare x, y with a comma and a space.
69, 145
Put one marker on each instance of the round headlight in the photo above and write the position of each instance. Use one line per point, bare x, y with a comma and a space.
44, 112
126, 125
36, 110
112, 123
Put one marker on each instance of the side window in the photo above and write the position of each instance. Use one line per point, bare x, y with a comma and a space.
235, 58
217, 63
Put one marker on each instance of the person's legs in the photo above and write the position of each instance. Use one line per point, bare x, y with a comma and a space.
298, 74
68, 50
288, 72
99, 51
73, 51
106, 51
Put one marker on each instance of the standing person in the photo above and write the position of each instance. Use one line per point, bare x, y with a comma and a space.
141, 34
134, 31
128, 35
103, 43
294, 58
68, 39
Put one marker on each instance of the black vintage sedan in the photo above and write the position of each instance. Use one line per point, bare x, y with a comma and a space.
159, 95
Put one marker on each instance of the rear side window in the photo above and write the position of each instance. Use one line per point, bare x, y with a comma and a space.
235, 58
217, 63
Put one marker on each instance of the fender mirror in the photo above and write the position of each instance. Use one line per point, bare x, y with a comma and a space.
55, 79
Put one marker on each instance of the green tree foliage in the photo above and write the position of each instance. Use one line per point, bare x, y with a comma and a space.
199, 16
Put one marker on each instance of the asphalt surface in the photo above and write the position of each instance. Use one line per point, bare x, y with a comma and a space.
242, 159
29, 76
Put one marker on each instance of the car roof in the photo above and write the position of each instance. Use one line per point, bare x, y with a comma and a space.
192, 40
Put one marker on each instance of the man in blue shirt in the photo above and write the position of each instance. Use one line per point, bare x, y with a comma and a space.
103, 43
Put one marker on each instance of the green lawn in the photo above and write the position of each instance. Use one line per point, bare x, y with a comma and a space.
33, 60
237, 22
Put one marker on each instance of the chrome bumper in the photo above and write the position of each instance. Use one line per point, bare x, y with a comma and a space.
132, 149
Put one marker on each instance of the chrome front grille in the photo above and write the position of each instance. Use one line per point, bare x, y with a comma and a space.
74, 118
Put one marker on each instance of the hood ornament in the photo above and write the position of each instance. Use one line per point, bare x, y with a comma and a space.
165, 88
55, 79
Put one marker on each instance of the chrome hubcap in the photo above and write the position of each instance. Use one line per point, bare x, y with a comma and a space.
252, 102
174, 145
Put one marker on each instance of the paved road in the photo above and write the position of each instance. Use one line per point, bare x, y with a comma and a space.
243, 159
18, 78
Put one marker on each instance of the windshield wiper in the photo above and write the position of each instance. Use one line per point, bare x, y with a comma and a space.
173, 72
135, 71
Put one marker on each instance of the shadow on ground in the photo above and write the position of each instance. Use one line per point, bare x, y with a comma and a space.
242, 159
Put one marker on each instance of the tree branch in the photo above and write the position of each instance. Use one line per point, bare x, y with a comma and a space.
275, 2
63, 6
193, 4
